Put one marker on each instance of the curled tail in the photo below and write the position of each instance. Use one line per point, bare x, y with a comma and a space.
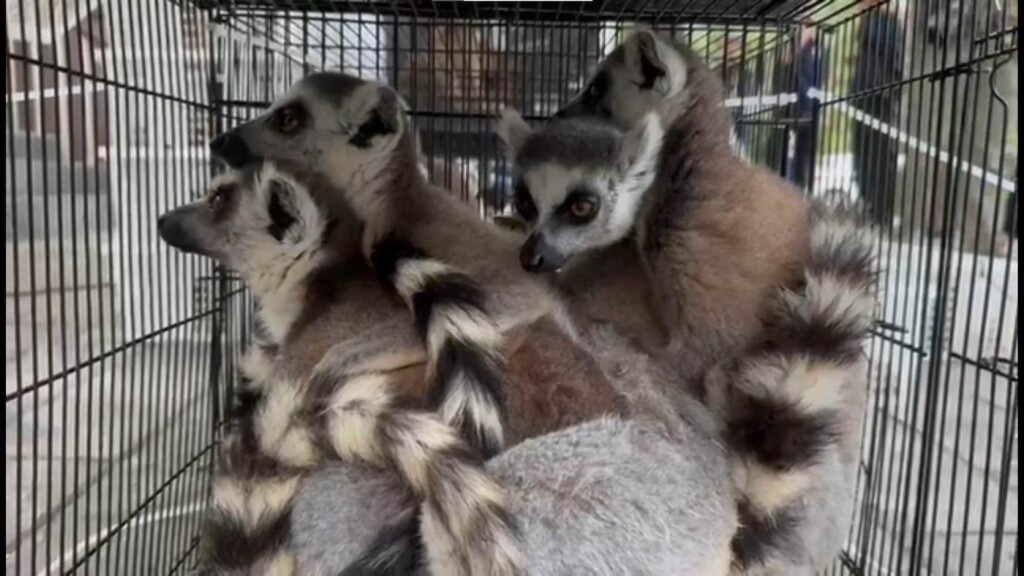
785, 403
347, 409
464, 356
465, 524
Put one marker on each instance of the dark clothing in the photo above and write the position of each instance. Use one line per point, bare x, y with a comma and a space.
811, 72
879, 62
1011, 216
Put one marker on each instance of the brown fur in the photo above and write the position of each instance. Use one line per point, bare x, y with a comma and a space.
554, 383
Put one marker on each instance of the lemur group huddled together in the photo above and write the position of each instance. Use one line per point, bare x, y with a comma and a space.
670, 304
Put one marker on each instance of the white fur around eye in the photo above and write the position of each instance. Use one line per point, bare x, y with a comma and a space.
550, 184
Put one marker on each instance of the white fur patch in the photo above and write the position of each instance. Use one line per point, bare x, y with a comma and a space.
641, 150
341, 365
279, 431
258, 367
463, 398
272, 498
229, 497
417, 444
836, 299
442, 555
512, 130
770, 490
355, 412
282, 564
463, 325
809, 384
412, 274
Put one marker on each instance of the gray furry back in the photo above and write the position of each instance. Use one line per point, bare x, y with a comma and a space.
607, 497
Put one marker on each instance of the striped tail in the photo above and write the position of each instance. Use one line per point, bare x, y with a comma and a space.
464, 356
346, 409
784, 404
465, 525
465, 365
247, 528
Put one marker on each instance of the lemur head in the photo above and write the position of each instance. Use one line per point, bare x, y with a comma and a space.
579, 183
259, 221
329, 123
646, 73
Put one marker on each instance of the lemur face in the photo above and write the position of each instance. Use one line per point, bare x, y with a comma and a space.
329, 123
579, 183
253, 221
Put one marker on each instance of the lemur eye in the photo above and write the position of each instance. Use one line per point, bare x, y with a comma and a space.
583, 210
289, 120
524, 203
219, 198
581, 207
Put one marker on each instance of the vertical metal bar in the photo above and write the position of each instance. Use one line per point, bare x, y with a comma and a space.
37, 457
996, 100
924, 475
217, 412
12, 169
75, 321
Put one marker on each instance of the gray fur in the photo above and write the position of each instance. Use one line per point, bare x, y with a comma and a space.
605, 498
587, 144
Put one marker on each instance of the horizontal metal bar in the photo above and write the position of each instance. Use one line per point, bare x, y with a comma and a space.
107, 82
937, 74
906, 346
984, 365
112, 532
538, 14
996, 35
783, 123
21, 392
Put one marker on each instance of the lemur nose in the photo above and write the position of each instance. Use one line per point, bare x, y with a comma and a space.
531, 262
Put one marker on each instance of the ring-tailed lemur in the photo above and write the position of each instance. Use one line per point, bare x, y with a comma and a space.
272, 231
709, 245
786, 398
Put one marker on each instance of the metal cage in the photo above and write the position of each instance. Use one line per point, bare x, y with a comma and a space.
121, 353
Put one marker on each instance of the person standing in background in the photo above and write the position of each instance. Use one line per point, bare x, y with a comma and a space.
878, 62
811, 73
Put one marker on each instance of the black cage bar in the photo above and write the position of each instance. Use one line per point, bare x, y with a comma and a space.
121, 353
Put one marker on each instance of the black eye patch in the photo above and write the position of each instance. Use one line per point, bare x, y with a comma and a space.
280, 218
375, 125
290, 119
524, 204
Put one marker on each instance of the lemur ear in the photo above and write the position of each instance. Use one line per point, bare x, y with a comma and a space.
656, 64
374, 111
641, 147
280, 208
512, 130
293, 213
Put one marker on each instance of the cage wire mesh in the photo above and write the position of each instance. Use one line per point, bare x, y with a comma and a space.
121, 353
